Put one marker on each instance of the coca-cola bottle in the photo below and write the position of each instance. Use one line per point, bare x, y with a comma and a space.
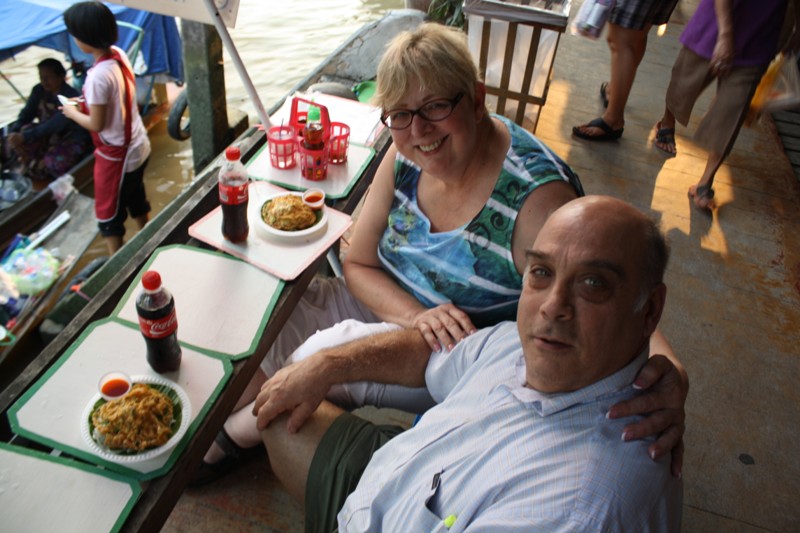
158, 323
233, 196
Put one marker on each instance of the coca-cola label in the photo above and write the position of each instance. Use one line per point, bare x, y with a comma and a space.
159, 328
233, 194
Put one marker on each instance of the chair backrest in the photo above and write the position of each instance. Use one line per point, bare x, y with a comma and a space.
514, 43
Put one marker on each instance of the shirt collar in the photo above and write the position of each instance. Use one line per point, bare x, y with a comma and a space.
547, 404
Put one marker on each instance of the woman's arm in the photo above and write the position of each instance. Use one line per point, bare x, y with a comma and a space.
441, 326
94, 121
28, 113
667, 385
365, 276
54, 125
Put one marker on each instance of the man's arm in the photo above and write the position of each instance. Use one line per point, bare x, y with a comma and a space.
397, 357
724, 50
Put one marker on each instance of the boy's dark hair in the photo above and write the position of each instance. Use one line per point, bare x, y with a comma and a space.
53, 65
92, 23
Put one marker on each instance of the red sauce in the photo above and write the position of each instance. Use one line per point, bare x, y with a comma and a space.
115, 387
313, 197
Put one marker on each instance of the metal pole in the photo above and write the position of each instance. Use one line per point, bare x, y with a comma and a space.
237, 62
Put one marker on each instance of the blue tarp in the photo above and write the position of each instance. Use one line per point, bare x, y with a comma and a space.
25, 23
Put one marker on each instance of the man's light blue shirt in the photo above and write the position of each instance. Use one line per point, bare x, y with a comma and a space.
503, 457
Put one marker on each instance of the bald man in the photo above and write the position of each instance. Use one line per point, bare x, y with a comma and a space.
519, 439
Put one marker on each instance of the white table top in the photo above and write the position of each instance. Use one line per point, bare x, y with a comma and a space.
340, 178
50, 413
283, 259
222, 303
79, 498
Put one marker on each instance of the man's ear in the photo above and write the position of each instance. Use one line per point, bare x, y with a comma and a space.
653, 308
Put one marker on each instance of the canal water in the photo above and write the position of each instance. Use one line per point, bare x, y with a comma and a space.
279, 42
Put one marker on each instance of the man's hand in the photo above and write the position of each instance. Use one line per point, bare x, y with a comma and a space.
722, 57
443, 326
664, 404
298, 388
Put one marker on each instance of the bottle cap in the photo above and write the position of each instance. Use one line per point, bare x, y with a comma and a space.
151, 280
313, 113
232, 153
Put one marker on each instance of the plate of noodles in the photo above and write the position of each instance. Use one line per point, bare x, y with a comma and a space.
285, 216
145, 423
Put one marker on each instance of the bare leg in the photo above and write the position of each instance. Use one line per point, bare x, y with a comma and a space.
113, 243
627, 50
702, 193
141, 220
290, 455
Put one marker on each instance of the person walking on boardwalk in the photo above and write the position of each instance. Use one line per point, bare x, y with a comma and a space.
628, 27
733, 42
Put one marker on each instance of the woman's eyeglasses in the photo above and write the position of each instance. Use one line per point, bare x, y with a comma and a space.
434, 111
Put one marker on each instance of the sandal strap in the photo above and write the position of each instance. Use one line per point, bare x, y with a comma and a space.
665, 135
704, 191
602, 124
228, 446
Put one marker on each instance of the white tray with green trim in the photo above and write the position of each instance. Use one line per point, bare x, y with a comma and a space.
35, 495
51, 412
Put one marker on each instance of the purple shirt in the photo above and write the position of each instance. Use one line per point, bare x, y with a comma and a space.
756, 28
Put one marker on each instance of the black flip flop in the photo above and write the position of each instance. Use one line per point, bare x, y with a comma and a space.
665, 136
603, 96
609, 134
705, 192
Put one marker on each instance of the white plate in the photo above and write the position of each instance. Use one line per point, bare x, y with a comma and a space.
303, 234
111, 455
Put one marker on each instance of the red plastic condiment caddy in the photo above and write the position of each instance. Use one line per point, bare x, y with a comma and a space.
339, 143
313, 162
282, 146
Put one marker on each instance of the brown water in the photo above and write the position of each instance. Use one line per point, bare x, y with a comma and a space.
279, 42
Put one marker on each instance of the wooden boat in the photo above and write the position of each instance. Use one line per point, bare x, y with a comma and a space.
45, 28
347, 65
37, 205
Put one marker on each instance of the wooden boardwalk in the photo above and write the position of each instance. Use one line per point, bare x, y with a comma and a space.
733, 304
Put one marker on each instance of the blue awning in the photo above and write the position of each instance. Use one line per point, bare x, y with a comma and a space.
25, 23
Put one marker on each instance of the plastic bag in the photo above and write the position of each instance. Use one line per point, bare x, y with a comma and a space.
32, 271
62, 187
779, 88
592, 18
